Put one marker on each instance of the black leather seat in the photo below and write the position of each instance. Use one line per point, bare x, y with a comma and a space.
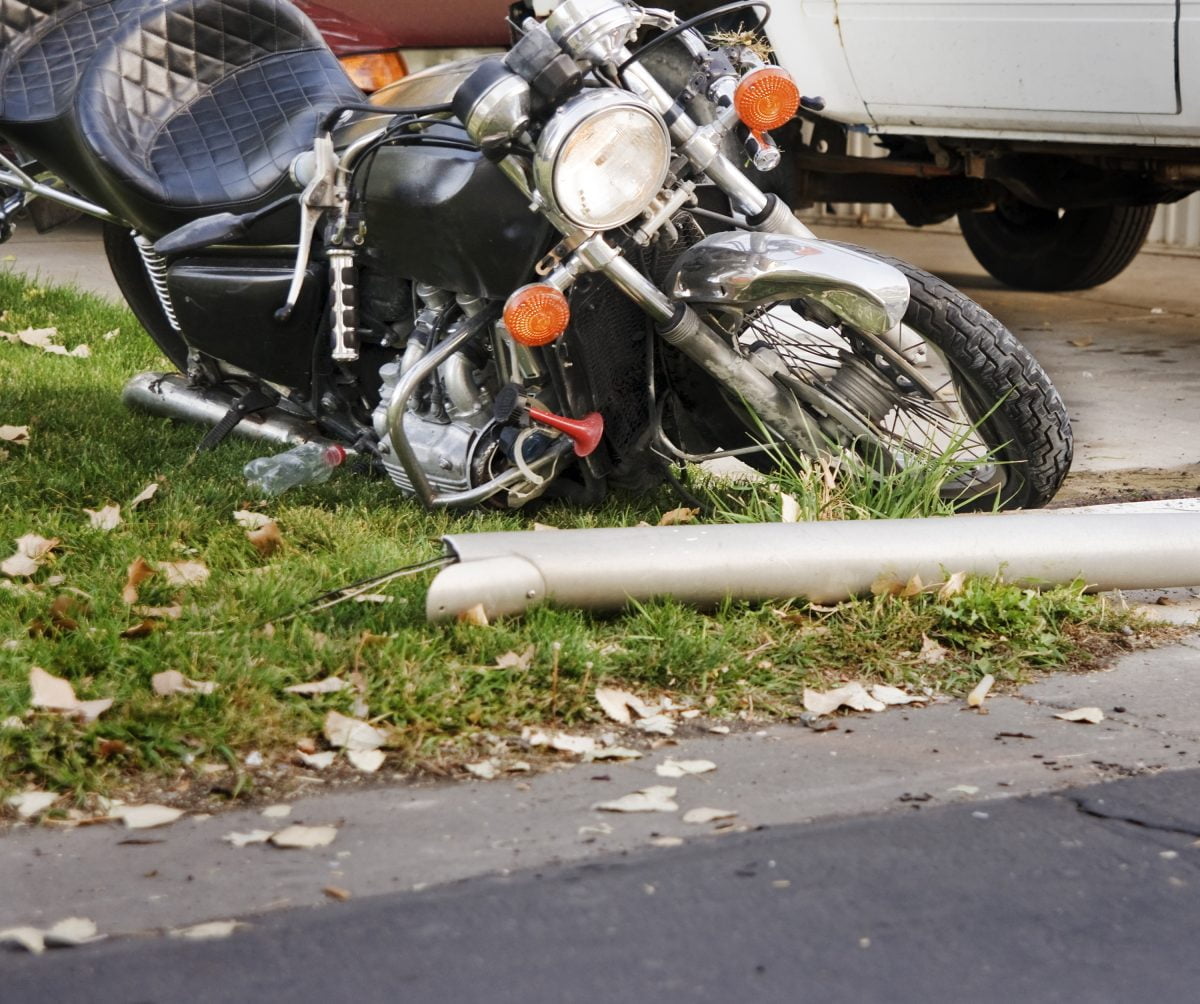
200, 106
44, 47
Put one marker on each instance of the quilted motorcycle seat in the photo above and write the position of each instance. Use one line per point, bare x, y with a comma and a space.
44, 47
200, 106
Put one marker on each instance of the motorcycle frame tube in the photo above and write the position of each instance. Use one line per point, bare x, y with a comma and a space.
11, 174
412, 379
824, 562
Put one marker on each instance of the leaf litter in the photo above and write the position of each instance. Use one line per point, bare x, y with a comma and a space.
53, 693
1091, 716
656, 798
683, 768
171, 681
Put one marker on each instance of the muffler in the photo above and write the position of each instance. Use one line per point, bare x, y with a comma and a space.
168, 395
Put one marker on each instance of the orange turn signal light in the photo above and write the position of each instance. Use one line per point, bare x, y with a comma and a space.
766, 98
536, 314
372, 71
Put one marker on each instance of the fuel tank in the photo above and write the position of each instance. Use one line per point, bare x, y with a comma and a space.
436, 209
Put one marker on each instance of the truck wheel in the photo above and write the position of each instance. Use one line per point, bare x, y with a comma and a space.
1045, 249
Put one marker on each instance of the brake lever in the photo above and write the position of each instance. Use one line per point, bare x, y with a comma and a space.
318, 195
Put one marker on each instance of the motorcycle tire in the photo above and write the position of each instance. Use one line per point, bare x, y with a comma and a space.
130, 273
1042, 249
1006, 409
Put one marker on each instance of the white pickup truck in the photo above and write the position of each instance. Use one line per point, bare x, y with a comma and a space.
1052, 130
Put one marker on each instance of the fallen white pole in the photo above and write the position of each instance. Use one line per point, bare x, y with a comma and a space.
824, 561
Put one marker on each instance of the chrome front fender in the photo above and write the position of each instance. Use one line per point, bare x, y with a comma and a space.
745, 269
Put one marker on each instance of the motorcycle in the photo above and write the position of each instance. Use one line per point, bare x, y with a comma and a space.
555, 272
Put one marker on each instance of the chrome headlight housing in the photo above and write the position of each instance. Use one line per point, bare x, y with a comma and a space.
601, 159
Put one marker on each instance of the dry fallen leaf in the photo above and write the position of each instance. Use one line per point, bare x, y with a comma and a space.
515, 660
913, 587
931, 652
252, 837
329, 685
789, 508
658, 725
317, 761
476, 615
894, 695
682, 768
368, 761
171, 681
65, 934
56, 694
108, 518
337, 892
351, 733
852, 695
266, 539
656, 798
567, 743
886, 584
305, 837
18, 435
32, 803
145, 495
953, 586
976, 697
37, 338
145, 817
612, 753
485, 770
251, 520
707, 815
19, 566
142, 629
29, 938
139, 571
184, 573
280, 810
208, 931
677, 516
171, 613
618, 704
1082, 343
1093, 716
32, 550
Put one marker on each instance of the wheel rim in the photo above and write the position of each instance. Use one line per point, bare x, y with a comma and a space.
895, 402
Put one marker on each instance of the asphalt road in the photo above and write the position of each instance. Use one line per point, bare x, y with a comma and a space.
1092, 894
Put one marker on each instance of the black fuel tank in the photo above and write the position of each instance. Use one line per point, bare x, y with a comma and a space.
445, 215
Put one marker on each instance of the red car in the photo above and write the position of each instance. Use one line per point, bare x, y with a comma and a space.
368, 34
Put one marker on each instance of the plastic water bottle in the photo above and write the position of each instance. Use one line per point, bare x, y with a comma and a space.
306, 464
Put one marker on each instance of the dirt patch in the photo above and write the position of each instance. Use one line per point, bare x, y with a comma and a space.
1136, 485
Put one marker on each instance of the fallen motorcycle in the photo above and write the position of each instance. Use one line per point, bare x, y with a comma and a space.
549, 273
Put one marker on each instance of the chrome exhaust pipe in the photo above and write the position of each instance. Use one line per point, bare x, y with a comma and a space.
168, 395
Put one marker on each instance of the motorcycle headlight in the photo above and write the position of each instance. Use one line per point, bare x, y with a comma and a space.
601, 158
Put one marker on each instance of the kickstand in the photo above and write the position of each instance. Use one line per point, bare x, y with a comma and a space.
252, 401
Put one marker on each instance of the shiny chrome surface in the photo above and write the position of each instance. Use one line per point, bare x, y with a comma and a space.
170, 396
747, 269
499, 113
11, 174
593, 31
562, 126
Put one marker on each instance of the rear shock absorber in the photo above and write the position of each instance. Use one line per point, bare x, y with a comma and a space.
156, 272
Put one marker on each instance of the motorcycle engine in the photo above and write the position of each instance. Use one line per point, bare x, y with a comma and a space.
448, 422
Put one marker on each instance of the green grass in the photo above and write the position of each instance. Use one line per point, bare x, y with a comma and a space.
436, 687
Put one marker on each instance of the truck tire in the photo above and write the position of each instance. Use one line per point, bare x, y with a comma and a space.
1028, 247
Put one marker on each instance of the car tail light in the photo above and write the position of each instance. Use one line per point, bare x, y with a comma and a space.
372, 71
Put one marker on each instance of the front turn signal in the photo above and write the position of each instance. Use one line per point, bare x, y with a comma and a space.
536, 314
766, 98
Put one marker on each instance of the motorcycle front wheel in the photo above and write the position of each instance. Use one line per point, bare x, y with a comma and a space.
951, 383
